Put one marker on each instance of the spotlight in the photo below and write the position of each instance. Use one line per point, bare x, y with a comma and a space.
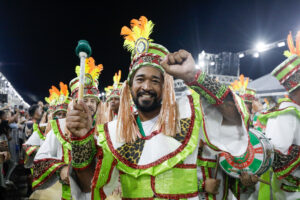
256, 55
281, 44
241, 55
201, 64
261, 46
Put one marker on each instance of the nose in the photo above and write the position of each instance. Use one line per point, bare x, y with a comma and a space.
147, 85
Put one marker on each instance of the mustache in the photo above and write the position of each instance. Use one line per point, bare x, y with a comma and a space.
151, 93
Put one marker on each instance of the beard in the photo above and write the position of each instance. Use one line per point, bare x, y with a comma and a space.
147, 106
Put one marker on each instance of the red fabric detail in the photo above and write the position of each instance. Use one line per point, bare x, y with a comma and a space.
195, 83
170, 155
290, 73
186, 166
142, 55
115, 162
97, 169
74, 138
137, 198
41, 131
54, 170
85, 88
152, 47
170, 196
241, 113
61, 133
29, 148
204, 128
154, 133
292, 161
204, 179
285, 66
102, 194
74, 82
206, 159
96, 175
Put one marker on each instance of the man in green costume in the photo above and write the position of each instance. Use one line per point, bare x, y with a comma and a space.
153, 153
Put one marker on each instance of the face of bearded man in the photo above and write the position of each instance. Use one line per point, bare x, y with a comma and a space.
146, 89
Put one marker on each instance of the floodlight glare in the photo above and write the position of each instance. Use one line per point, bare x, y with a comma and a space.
256, 55
201, 64
241, 55
281, 44
260, 46
212, 63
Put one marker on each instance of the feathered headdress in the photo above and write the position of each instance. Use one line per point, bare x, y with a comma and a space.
115, 89
91, 68
139, 28
240, 88
145, 53
288, 72
58, 99
92, 73
293, 50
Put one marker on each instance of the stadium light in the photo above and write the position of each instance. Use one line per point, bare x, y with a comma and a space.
261, 46
281, 44
201, 64
241, 55
256, 55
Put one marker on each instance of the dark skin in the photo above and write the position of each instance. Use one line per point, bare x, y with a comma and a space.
147, 80
114, 104
295, 95
180, 65
78, 117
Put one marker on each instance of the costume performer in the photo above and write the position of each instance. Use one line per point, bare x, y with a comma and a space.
40, 131
113, 97
52, 157
283, 126
154, 153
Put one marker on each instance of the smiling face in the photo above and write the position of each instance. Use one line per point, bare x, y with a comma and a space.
146, 88
91, 103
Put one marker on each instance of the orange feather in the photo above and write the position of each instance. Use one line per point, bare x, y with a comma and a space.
55, 90
298, 43
291, 43
127, 33
63, 88
134, 22
143, 21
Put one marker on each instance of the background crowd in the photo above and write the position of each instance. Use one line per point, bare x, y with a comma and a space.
16, 126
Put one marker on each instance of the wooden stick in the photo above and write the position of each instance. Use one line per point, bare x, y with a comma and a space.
217, 166
263, 181
259, 179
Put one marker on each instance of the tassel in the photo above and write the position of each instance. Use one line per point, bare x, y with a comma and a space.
167, 121
104, 113
127, 128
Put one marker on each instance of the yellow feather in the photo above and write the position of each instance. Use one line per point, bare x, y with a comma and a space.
139, 28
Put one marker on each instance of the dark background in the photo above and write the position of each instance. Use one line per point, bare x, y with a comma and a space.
38, 38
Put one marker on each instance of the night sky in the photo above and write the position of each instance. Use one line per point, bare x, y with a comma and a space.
37, 40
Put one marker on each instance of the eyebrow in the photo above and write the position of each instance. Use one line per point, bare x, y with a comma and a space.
143, 75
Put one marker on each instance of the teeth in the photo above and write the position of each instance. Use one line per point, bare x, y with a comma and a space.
146, 95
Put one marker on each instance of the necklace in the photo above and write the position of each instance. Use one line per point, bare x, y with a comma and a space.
140, 126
